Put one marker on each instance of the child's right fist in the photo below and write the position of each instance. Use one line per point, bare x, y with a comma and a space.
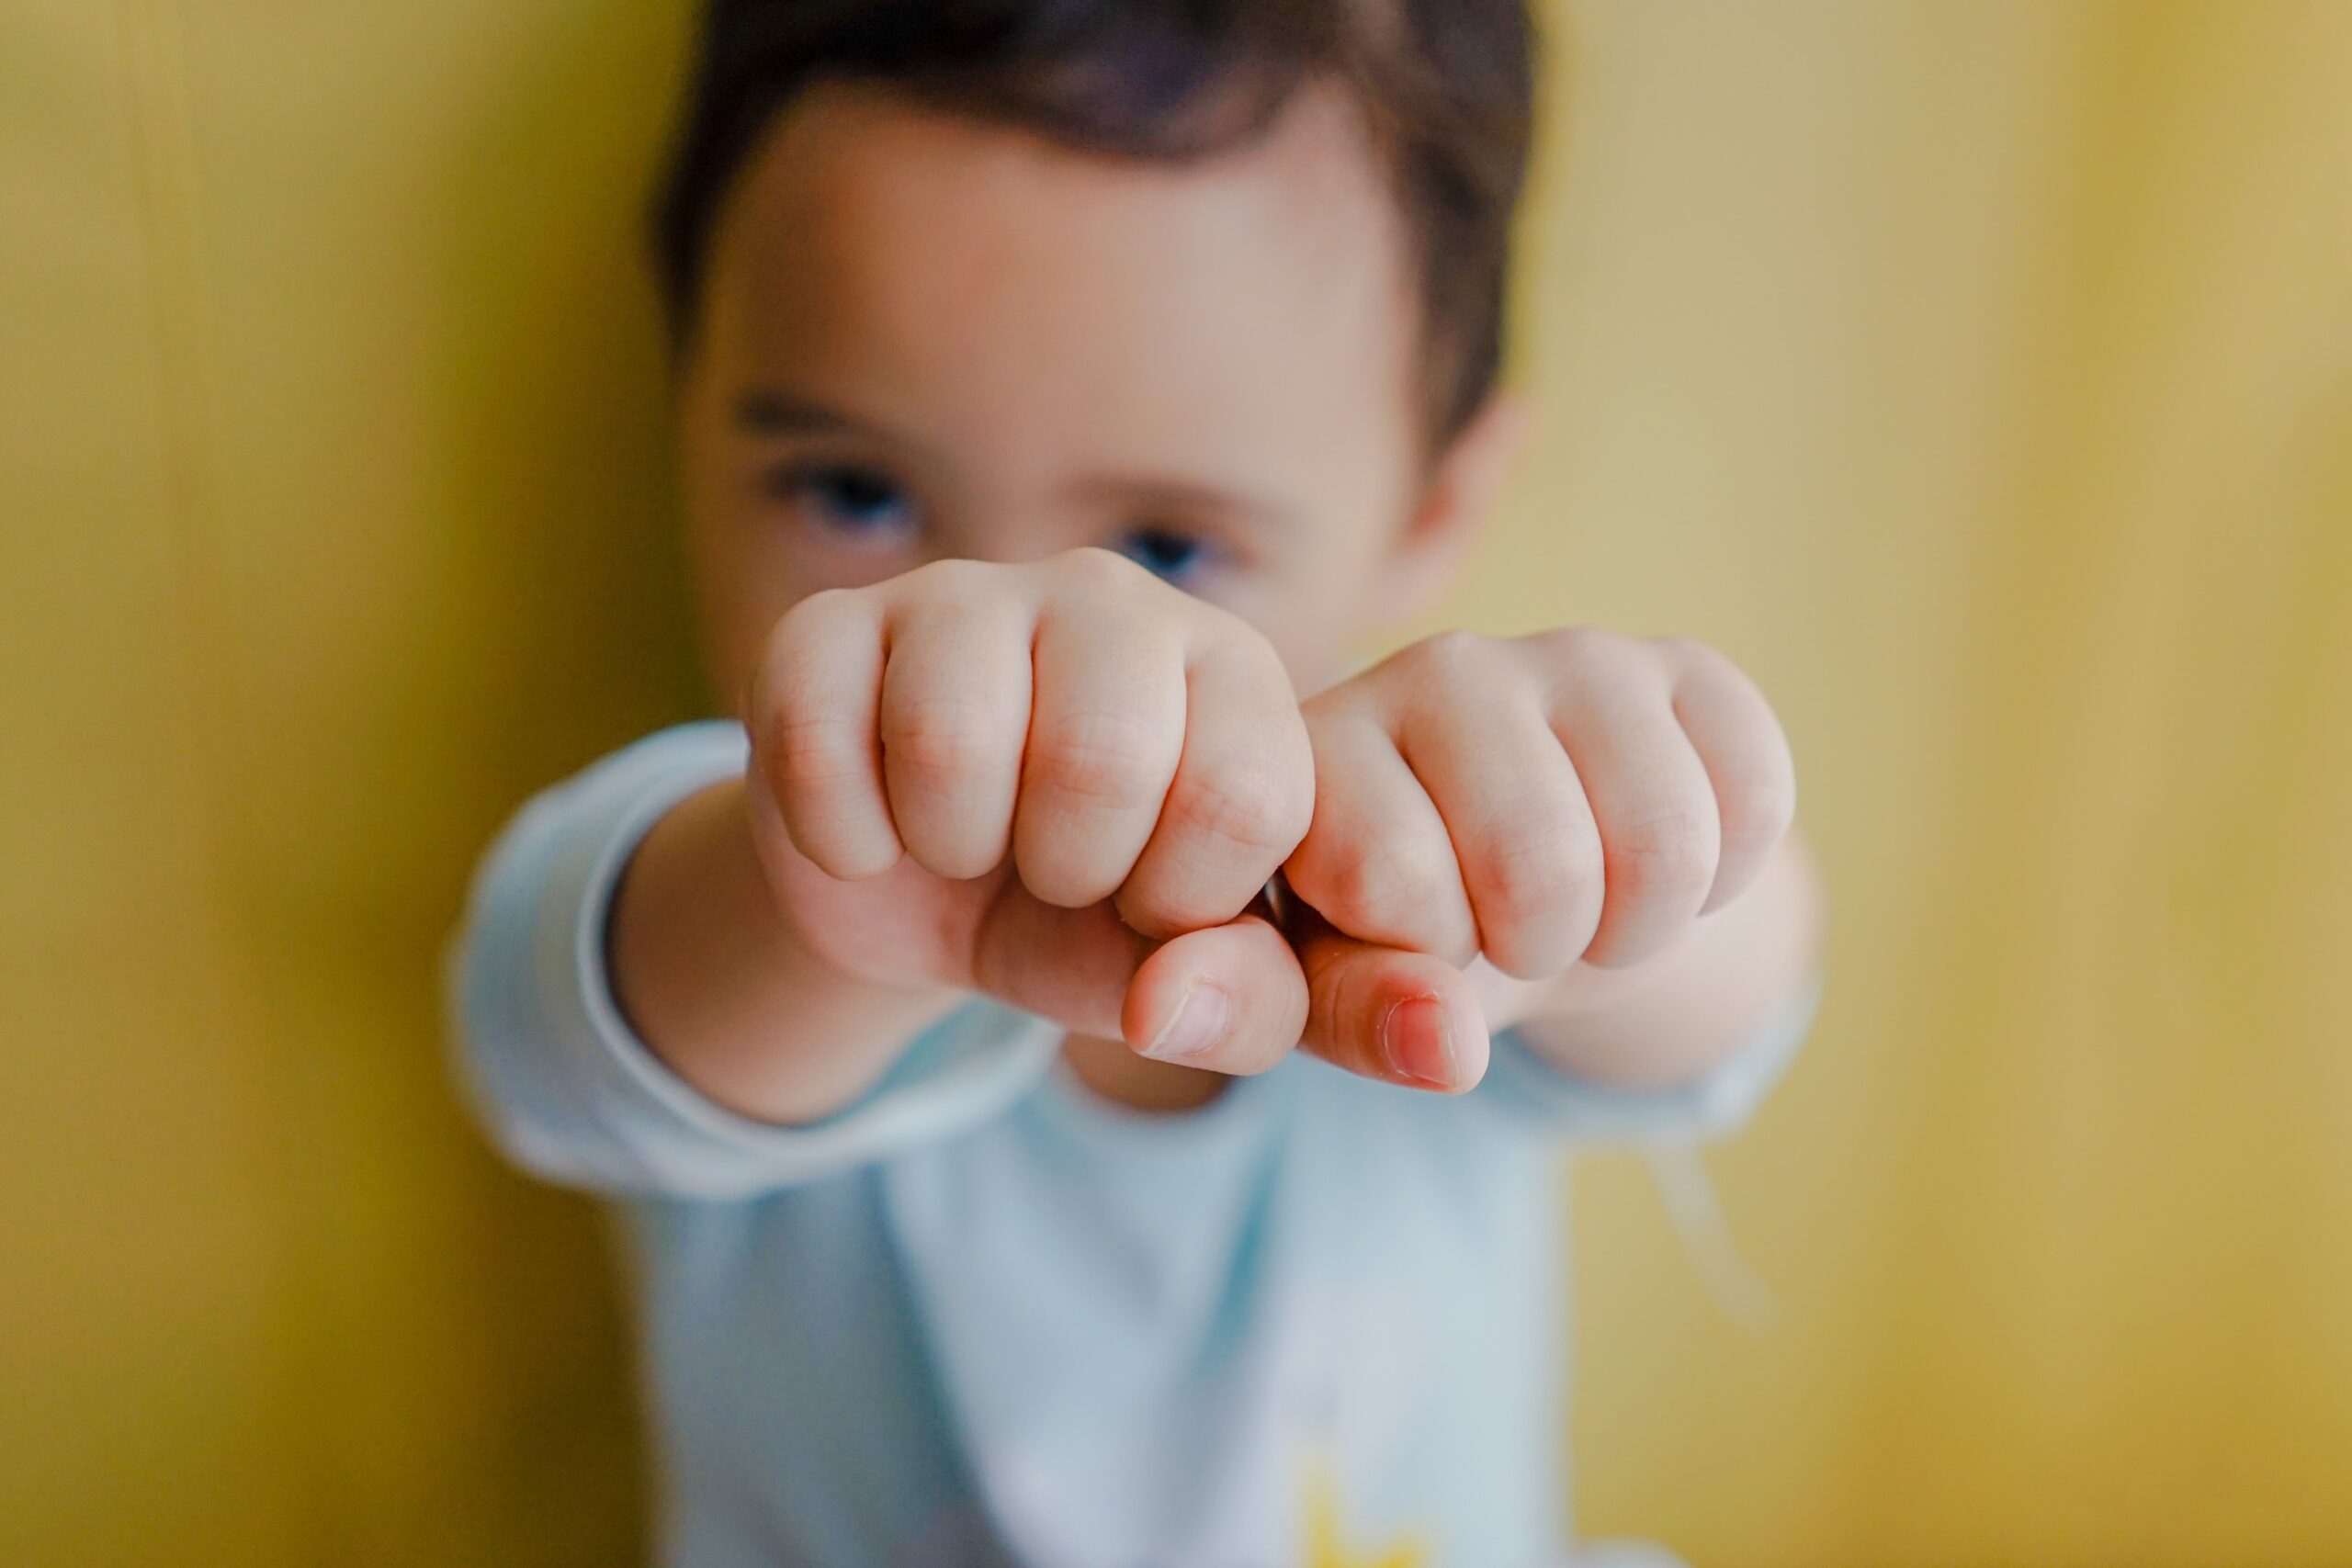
1075, 721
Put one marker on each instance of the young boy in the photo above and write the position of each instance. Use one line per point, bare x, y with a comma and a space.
1012, 1178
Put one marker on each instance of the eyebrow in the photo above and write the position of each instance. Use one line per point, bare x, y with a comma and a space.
771, 411
1183, 496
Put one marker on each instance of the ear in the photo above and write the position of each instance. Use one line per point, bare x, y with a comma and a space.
1464, 485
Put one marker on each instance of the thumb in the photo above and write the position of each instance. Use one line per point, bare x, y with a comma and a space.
1386, 1013
1231, 998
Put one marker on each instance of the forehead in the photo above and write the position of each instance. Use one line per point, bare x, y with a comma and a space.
976, 275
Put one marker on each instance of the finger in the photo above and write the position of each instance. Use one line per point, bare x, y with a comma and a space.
1231, 998
810, 715
1660, 834
1073, 967
1105, 734
1377, 862
955, 709
1240, 802
1401, 1017
1741, 744
1522, 831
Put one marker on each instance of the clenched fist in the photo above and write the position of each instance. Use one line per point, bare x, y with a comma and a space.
1573, 795
1004, 777
1538, 802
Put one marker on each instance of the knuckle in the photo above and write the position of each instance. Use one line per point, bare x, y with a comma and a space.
812, 754
1579, 644
1159, 906
1098, 574
1759, 809
1329, 994
1693, 654
1451, 655
1112, 759
949, 580
820, 620
1244, 803
815, 614
808, 755
1667, 855
943, 741
1593, 659
1529, 869
1330, 713
1389, 889
1247, 642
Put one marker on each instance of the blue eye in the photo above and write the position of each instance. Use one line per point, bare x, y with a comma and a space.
1167, 553
849, 500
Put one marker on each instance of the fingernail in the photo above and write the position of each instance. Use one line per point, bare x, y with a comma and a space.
1413, 1038
1196, 1026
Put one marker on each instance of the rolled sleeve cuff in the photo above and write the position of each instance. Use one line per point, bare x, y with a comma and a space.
572, 1094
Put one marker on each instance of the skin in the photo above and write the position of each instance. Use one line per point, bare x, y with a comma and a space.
950, 384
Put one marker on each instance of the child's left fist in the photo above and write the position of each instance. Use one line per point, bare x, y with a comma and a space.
1573, 794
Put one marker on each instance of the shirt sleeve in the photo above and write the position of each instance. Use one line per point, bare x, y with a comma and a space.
566, 1089
1522, 1084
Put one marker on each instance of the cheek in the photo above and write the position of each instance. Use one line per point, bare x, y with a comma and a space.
736, 614
749, 561
740, 586
748, 572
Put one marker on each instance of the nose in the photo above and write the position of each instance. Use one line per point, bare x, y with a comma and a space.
1005, 534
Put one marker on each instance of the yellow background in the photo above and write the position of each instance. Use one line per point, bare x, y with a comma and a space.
1978, 373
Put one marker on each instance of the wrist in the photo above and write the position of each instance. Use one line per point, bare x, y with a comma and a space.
1673, 1018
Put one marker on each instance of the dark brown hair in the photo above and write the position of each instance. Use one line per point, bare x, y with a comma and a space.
1446, 87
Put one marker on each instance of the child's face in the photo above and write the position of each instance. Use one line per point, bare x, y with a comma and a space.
923, 336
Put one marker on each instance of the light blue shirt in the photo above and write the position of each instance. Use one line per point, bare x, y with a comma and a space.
984, 1318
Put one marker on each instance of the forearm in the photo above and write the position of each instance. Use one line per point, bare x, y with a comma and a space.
717, 983
1674, 1018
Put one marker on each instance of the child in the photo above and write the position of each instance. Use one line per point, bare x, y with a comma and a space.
1063, 387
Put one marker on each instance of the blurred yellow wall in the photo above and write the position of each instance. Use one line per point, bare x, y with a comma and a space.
1980, 373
